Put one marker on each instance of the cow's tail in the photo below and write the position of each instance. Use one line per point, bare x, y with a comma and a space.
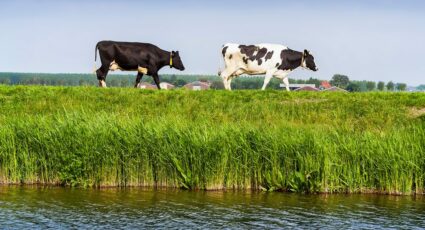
95, 57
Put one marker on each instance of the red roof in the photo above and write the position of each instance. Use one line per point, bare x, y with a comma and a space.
325, 84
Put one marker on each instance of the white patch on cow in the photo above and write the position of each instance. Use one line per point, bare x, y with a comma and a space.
114, 66
304, 64
280, 74
142, 70
102, 83
236, 66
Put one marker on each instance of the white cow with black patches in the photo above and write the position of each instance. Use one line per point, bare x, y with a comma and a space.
270, 59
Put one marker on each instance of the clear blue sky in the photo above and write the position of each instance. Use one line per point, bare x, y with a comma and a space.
370, 40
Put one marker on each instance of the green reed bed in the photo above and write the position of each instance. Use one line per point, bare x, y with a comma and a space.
272, 140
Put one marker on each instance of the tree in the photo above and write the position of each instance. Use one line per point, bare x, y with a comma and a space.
217, 85
81, 82
203, 79
5, 81
126, 83
340, 81
314, 81
370, 85
381, 86
114, 82
401, 86
297, 81
362, 85
353, 87
173, 79
273, 84
180, 83
421, 88
390, 86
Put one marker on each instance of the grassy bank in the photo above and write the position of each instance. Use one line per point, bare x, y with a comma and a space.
272, 140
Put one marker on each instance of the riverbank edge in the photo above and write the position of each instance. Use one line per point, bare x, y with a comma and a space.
174, 188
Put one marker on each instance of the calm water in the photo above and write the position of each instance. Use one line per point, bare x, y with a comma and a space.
30, 207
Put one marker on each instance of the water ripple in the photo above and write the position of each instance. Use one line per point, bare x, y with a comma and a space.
35, 207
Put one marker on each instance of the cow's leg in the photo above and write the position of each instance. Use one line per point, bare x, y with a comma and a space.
156, 79
226, 83
226, 77
226, 80
286, 82
229, 83
101, 73
138, 79
267, 79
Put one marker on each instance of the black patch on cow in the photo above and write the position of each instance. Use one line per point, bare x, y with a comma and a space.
291, 59
250, 50
277, 65
245, 60
269, 55
230, 56
261, 53
223, 51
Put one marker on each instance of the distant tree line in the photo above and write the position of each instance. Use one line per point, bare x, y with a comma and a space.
256, 82
342, 81
421, 88
252, 82
113, 80
117, 80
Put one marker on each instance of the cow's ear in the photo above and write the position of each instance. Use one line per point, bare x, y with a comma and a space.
306, 53
173, 53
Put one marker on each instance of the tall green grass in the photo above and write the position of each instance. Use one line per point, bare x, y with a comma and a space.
268, 140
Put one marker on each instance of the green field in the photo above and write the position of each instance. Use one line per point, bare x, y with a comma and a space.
268, 140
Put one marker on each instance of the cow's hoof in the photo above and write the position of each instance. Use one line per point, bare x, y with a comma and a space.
102, 84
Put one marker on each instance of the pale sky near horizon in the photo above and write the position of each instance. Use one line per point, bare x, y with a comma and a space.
366, 40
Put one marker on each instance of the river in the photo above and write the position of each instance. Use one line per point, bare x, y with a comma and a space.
57, 207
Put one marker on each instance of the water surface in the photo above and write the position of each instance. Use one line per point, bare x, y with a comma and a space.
41, 207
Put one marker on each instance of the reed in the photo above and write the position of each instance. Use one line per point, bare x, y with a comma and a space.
268, 140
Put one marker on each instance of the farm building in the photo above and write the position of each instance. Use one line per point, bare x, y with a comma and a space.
325, 85
166, 85
335, 89
307, 88
413, 89
145, 85
197, 85
297, 86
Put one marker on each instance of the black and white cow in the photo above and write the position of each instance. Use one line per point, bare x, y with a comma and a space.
144, 58
270, 59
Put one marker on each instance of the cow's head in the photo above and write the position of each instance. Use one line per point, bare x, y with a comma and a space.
176, 61
309, 61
